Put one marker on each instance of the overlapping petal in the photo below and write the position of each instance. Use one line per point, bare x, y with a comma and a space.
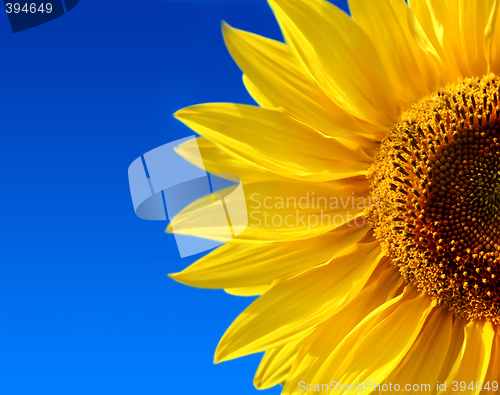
280, 210
218, 162
382, 287
423, 365
237, 264
278, 75
281, 314
463, 32
412, 63
340, 56
471, 364
494, 368
251, 134
372, 350
276, 363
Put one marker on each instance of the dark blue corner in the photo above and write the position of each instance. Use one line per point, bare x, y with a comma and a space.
24, 14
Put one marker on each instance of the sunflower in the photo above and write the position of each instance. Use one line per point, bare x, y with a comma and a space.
385, 125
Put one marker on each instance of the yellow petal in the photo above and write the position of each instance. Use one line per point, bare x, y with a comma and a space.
494, 368
474, 18
383, 286
299, 303
257, 94
277, 74
279, 211
340, 56
463, 29
492, 37
247, 291
439, 19
431, 359
423, 365
274, 141
378, 344
456, 342
276, 364
218, 162
429, 23
472, 362
396, 41
237, 264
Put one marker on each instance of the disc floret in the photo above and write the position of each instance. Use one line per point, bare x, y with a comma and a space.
437, 182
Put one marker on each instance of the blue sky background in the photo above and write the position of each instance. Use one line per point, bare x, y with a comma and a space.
85, 302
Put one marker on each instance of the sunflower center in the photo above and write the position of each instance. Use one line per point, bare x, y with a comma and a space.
436, 180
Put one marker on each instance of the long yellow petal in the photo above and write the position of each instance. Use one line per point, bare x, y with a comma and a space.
299, 303
492, 35
473, 360
279, 211
493, 370
397, 46
275, 141
440, 21
474, 18
433, 356
218, 162
456, 342
276, 364
423, 365
275, 71
378, 344
418, 364
382, 286
429, 23
235, 265
340, 56
464, 30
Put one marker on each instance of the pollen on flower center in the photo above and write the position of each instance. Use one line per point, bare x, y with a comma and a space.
436, 179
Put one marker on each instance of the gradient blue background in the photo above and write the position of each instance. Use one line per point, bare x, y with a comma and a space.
85, 302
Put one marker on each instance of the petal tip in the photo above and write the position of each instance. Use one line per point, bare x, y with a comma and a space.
178, 114
223, 353
177, 277
257, 382
180, 277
